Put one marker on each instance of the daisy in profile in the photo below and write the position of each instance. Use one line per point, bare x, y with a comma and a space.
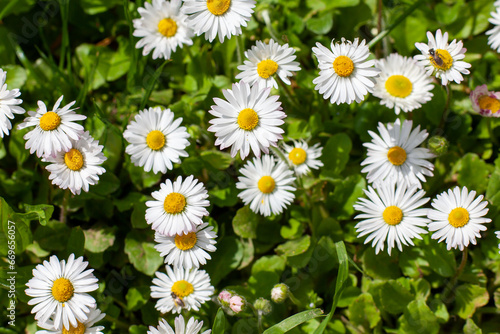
156, 140
303, 157
9, 105
458, 217
60, 290
265, 60
484, 102
402, 84
78, 167
86, 327
249, 119
53, 129
162, 28
181, 288
494, 33
392, 213
394, 155
193, 327
442, 58
187, 250
345, 75
178, 207
218, 17
267, 185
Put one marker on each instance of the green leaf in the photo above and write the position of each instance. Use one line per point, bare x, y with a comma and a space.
219, 325
42, 211
294, 230
338, 147
76, 242
440, 260
364, 312
245, 223
391, 296
272, 263
473, 172
93, 7
137, 297
418, 318
372, 267
293, 321
99, 238
142, 254
227, 258
471, 328
320, 25
294, 247
16, 76
138, 329
468, 297
217, 159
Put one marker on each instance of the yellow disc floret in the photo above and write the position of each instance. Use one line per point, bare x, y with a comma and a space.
174, 203
266, 68
396, 156
155, 140
218, 7
167, 27
50, 121
489, 103
343, 66
297, 156
458, 217
446, 60
398, 86
74, 159
182, 288
248, 119
266, 184
392, 215
186, 241
80, 329
62, 290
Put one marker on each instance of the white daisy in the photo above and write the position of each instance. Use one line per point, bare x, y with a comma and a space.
193, 327
85, 327
8, 105
345, 74
265, 60
392, 213
402, 84
267, 185
163, 28
250, 120
484, 102
77, 167
218, 17
178, 207
181, 289
60, 291
494, 33
156, 140
394, 155
53, 129
457, 217
302, 157
187, 250
444, 58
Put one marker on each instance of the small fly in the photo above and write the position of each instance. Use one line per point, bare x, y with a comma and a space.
177, 300
437, 58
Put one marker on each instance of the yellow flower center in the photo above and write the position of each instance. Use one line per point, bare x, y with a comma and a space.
266, 68
392, 215
218, 7
458, 217
155, 140
266, 184
398, 86
174, 203
50, 121
73, 159
489, 103
343, 66
62, 290
182, 288
396, 155
167, 27
297, 156
248, 119
185, 241
80, 329
446, 60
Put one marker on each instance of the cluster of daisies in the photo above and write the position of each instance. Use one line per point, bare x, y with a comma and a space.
74, 158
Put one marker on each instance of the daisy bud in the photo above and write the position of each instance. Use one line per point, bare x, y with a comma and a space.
438, 145
263, 305
279, 293
224, 297
237, 304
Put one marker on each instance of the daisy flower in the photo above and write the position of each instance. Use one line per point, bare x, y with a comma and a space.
181, 288
162, 28
250, 120
193, 327
457, 217
265, 60
218, 17
8, 105
156, 140
187, 250
85, 327
345, 74
443, 58
302, 157
402, 84
59, 289
484, 102
494, 33
53, 129
394, 155
78, 167
178, 207
392, 213
267, 185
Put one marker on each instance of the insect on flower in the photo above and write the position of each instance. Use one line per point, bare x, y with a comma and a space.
436, 57
177, 300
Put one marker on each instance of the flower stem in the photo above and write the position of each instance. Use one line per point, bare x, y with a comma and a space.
493, 139
451, 286
64, 207
446, 108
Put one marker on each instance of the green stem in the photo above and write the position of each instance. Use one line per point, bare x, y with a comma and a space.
118, 323
64, 4
64, 207
267, 21
288, 94
259, 321
451, 286
396, 22
446, 108
490, 132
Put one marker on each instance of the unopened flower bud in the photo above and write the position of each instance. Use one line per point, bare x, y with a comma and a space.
224, 297
263, 305
237, 304
438, 145
279, 293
